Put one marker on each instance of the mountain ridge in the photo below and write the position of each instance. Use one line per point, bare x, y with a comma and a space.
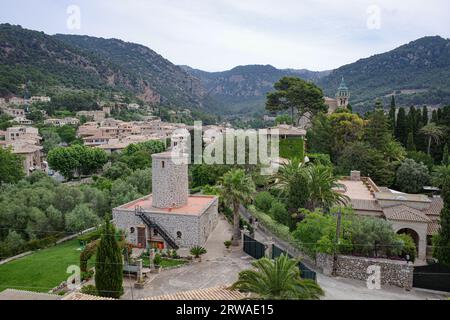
417, 73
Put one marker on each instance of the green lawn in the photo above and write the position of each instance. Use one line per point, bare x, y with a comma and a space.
42, 270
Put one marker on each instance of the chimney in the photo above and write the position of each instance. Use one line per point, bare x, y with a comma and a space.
355, 175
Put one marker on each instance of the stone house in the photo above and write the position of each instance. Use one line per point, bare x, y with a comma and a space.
170, 217
413, 214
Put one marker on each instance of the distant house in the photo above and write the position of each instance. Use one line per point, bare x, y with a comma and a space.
287, 131
62, 122
22, 121
21, 132
12, 112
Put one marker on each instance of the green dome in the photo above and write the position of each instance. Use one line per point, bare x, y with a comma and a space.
343, 86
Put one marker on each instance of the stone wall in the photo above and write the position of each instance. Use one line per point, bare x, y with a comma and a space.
396, 273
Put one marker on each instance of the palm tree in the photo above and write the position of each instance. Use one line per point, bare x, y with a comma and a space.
322, 187
236, 188
433, 132
277, 279
287, 172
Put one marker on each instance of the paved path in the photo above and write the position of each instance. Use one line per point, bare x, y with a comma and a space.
218, 267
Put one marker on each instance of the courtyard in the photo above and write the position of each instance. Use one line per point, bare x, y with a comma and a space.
218, 267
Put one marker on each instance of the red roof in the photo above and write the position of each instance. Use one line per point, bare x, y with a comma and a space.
196, 205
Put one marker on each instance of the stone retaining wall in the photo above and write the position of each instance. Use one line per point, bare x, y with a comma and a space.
393, 272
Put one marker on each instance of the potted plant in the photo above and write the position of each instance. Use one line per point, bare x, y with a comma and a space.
197, 252
157, 260
228, 245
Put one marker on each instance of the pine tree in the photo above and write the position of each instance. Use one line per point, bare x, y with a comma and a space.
441, 241
392, 113
401, 129
108, 265
445, 156
410, 146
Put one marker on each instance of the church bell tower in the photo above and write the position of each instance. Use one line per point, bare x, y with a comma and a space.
343, 95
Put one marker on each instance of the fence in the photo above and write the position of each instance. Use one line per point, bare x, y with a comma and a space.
305, 272
432, 277
254, 248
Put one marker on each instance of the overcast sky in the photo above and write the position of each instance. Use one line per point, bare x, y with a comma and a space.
216, 35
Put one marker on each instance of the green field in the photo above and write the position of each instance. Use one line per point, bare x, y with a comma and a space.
42, 270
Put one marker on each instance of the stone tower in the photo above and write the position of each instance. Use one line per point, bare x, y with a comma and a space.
343, 95
170, 185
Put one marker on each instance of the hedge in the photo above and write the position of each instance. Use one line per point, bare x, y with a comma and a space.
278, 229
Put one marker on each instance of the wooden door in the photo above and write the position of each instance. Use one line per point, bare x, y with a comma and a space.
141, 237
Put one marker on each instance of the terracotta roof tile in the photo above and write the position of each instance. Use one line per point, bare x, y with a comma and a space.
14, 294
216, 293
405, 213
82, 296
433, 228
435, 207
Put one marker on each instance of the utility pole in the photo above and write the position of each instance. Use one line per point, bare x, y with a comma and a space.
337, 240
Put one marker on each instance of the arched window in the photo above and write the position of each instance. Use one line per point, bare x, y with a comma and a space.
163, 164
132, 230
179, 234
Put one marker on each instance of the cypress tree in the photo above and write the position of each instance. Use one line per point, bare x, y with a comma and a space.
425, 115
445, 157
392, 113
108, 264
412, 117
434, 116
441, 241
377, 132
410, 146
401, 129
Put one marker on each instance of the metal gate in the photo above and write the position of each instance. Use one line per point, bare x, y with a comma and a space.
432, 277
254, 248
305, 272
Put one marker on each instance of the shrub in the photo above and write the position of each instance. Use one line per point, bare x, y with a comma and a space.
263, 201
89, 289
197, 251
91, 236
271, 225
412, 176
157, 259
227, 243
279, 213
409, 247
